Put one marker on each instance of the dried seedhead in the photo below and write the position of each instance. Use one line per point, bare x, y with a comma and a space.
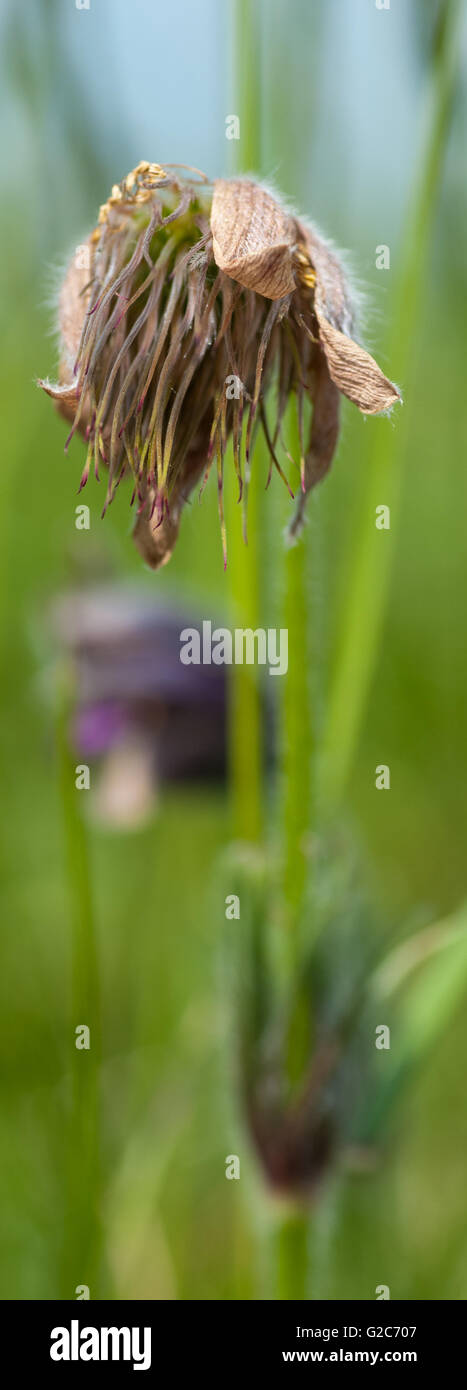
189, 302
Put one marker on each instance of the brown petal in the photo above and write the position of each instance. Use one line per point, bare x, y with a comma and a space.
323, 438
66, 399
353, 370
332, 297
72, 306
73, 303
64, 395
155, 540
252, 238
324, 426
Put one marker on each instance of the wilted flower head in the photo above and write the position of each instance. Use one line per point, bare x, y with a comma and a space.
182, 307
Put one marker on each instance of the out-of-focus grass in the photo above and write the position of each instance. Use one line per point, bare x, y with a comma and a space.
173, 1226
159, 940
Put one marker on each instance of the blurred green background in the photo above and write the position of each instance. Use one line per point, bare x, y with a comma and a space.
86, 94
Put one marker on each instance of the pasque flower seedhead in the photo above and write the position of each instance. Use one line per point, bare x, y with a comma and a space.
190, 301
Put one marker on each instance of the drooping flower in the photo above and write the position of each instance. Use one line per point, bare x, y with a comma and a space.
189, 302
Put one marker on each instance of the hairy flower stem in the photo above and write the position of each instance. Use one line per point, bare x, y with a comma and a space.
291, 1238
82, 1238
296, 725
372, 554
293, 1230
292, 1241
296, 791
245, 738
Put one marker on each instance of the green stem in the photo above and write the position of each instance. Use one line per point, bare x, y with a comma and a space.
297, 735
292, 1234
372, 551
247, 85
292, 1240
82, 1224
245, 729
245, 737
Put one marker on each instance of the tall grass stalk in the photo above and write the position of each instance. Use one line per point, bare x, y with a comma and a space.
81, 1251
297, 730
372, 552
293, 1231
293, 1234
296, 737
245, 739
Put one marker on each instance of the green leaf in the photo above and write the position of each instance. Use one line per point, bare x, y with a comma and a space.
430, 973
